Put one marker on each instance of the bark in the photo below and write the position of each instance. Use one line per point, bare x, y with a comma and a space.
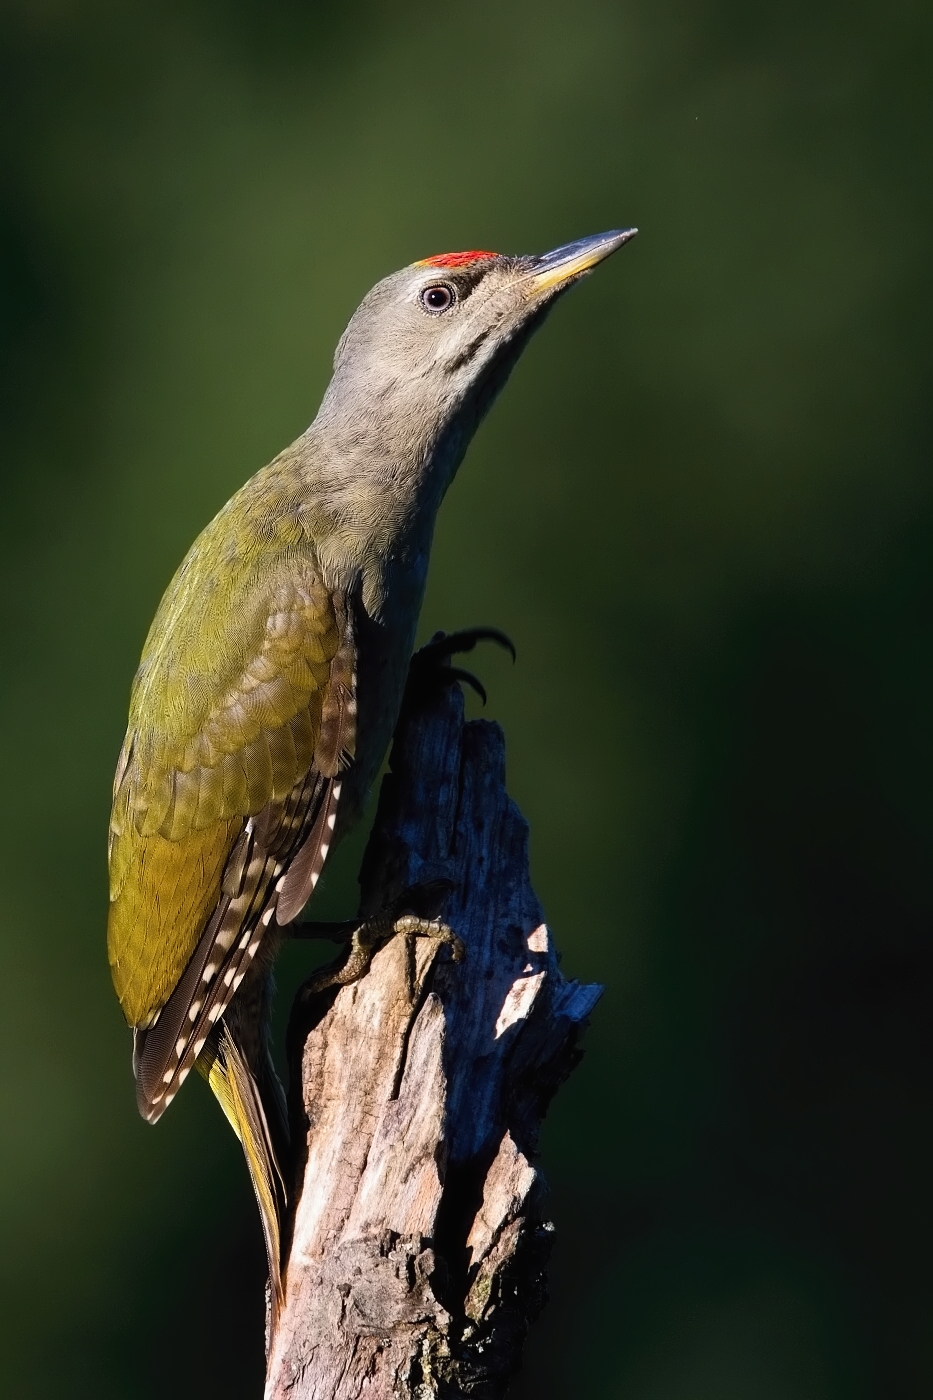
417, 1246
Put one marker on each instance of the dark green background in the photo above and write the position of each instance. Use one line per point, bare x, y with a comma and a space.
703, 510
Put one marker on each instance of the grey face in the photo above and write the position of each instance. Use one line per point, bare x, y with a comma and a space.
439, 334
434, 331
427, 351
443, 333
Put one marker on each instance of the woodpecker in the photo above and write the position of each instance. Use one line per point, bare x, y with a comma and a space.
272, 677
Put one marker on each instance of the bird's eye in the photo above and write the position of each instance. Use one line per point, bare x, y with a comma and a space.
437, 299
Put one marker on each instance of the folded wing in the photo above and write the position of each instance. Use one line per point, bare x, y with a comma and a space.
225, 798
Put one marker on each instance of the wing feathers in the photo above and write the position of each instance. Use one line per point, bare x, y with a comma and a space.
284, 757
337, 736
155, 1048
167, 1052
235, 870
273, 697
297, 884
259, 772
273, 864
235, 792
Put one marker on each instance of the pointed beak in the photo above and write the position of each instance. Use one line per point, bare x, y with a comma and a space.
560, 267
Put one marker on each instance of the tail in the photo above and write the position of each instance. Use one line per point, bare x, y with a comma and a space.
235, 1076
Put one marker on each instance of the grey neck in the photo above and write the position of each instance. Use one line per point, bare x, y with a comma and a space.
373, 493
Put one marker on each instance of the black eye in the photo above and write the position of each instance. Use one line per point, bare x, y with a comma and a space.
437, 298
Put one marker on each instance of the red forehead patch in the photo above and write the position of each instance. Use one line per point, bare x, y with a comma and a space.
456, 259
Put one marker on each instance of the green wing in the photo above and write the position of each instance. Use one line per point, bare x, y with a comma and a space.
225, 719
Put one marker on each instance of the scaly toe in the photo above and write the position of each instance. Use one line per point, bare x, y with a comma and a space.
410, 926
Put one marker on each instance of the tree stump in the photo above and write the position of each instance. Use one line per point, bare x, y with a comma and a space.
416, 1247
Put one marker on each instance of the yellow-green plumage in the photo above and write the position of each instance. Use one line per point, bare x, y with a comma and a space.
225, 716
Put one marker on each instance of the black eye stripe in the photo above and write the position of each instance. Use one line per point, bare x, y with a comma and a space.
438, 298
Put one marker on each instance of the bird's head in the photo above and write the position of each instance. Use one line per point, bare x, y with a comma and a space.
430, 346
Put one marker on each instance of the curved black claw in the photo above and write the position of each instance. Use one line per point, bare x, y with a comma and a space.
444, 645
457, 673
430, 664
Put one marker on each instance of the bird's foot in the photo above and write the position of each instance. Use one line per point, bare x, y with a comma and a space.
365, 937
431, 664
366, 940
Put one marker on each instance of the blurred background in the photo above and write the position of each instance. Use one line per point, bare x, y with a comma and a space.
703, 510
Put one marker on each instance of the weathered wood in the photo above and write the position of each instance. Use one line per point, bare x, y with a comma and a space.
416, 1247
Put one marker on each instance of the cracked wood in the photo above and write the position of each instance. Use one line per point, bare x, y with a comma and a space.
416, 1247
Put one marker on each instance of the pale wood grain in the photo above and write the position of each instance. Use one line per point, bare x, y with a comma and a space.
417, 1245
